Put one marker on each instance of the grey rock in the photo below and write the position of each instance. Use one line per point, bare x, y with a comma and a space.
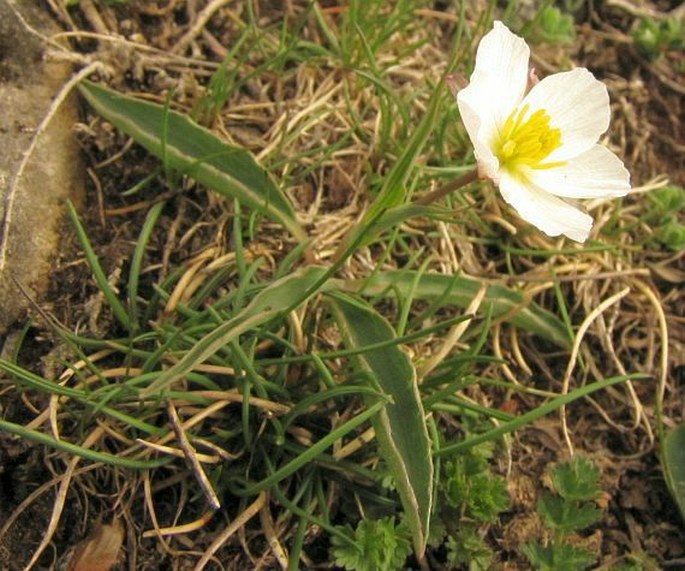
32, 206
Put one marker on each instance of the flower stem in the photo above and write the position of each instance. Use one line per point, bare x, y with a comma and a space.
345, 248
450, 187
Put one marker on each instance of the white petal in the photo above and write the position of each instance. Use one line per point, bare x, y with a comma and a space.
550, 214
476, 124
501, 67
578, 105
497, 86
597, 173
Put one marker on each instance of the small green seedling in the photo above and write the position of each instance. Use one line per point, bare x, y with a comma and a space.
467, 547
472, 489
470, 497
552, 26
665, 216
375, 545
653, 39
570, 509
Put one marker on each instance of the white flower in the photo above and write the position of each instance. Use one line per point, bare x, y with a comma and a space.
540, 146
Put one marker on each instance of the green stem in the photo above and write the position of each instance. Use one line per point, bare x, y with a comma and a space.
448, 188
354, 237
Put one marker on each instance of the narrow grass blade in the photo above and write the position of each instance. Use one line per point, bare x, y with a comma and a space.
393, 191
393, 217
460, 291
276, 299
32, 381
98, 273
400, 427
673, 462
76, 450
193, 150
533, 415
137, 263
314, 450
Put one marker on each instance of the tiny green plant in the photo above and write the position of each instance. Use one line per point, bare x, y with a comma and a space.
655, 38
551, 26
470, 497
666, 215
375, 545
467, 546
570, 509
471, 489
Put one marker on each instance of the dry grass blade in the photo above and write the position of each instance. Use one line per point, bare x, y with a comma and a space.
196, 525
200, 21
192, 457
580, 334
453, 336
271, 536
61, 497
252, 510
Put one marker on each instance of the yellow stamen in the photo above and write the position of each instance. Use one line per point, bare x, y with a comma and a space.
527, 141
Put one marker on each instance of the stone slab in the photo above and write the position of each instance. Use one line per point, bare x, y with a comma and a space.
32, 206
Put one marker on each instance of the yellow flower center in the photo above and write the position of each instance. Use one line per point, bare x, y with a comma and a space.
527, 141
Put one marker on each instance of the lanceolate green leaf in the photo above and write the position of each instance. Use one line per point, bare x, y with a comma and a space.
673, 463
460, 291
274, 300
400, 426
193, 150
